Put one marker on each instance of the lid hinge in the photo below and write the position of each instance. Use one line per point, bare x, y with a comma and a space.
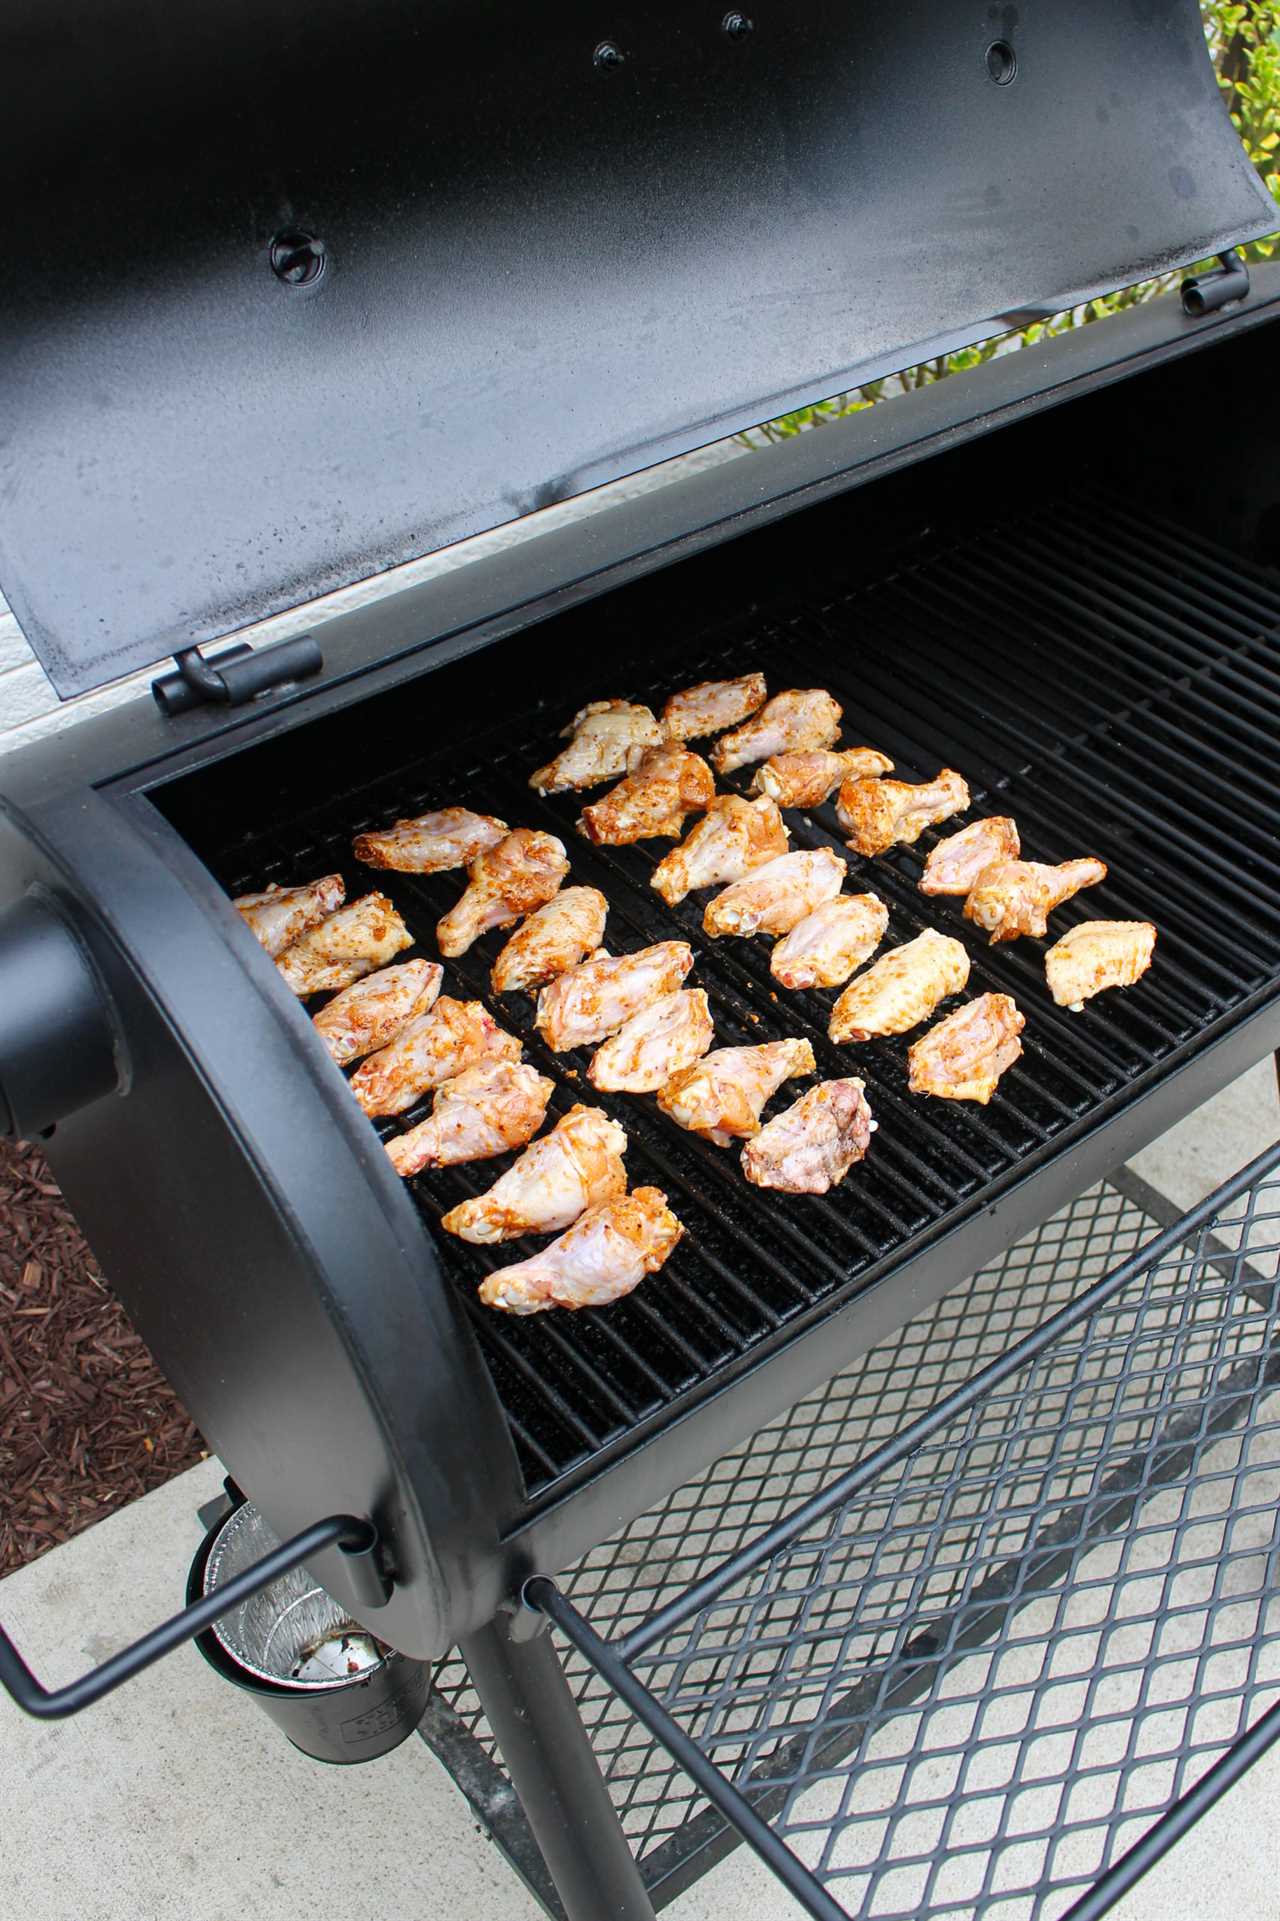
236, 675
1204, 293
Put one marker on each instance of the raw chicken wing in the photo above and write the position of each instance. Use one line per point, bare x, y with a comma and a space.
592, 1001
1096, 955
963, 1057
654, 1044
807, 779
801, 718
733, 837
431, 843
879, 814
603, 736
557, 937
956, 862
1012, 897
711, 705
576, 1166
433, 1048
722, 1095
601, 1258
371, 1012
486, 1110
355, 941
773, 898
823, 949
520, 873
900, 990
811, 1146
650, 802
281, 915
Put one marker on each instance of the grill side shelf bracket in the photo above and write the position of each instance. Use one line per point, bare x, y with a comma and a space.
235, 676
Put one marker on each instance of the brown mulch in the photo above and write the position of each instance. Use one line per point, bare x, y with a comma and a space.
87, 1420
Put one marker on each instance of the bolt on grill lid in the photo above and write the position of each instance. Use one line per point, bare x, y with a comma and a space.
301, 291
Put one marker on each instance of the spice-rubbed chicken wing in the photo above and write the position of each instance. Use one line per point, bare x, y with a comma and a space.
431, 843
601, 1257
604, 735
711, 705
520, 873
800, 719
823, 949
811, 1146
371, 1012
901, 989
1096, 955
433, 1048
487, 1109
576, 1166
879, 814
649, 803
807, 779
963, 1057
281, 915
722, 1095
592, 1001
654, 1044
956, 862
555, 938
360, 937
734, 837
1012, 897
773, 898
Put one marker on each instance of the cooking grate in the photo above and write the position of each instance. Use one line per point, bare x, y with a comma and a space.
1108, 678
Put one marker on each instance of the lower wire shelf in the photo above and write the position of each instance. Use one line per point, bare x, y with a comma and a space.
955, 1635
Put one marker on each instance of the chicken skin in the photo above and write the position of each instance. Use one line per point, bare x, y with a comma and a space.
1096, 955
823, 949
711, 705
576, 1166
603, 737
734, 837
431, 843
722, 1095
592, 1001
901, 989
654, 1044
435, 1047
879, 814
810, 1147
279, 916
486, 1110
1012, 897
650, 802
807, 779
555, 938
371, 1012
963, 1057
355, 941
773, 898
510, 880
956, 862
794, 722
602, 1257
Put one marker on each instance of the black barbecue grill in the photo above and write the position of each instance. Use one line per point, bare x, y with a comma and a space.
318, 345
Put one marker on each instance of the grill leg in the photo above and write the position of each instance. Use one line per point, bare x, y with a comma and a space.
537, 1726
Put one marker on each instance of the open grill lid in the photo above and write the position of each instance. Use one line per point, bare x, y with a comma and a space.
554, 245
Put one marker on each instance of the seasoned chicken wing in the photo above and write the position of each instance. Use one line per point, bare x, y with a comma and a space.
603, 737
1012, 897
711, 705
433, 1048
555, 938
901, 989
774, 897
963, 1057
807, 779
811, 1146
372, 1011
800, 719
576, 1166
654, 1044
601, 1257
956, 862
650, 803
360, 937
722, 1095
879, 814
281, 915
592, 1001
520, 873
1096, 955
733, 837
431, 843
485, 1110
823, 949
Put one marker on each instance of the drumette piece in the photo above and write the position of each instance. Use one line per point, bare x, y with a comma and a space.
901, 989
654, 1044
1012, 897
807, 779
879, 814
576, 1166
792, 722
733, 838
433, 1048
519, 874
711, 705
1096, 955
371, 1012
602, 1257
823, 949
555, 938
487, 1109
603, 737
592, 1001
773, 898
722, 1096
956, 862
358, 939
650, 803
431, 843
810, 1147
279, 916
963, 1057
